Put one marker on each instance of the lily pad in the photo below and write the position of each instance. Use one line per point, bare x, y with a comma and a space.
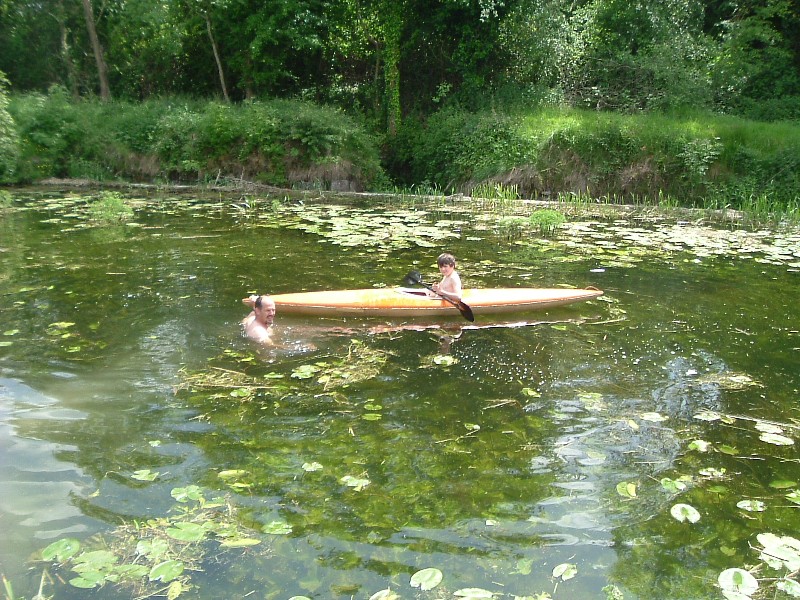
684, 512
426, 579
277, 528
751, 505
565, 571
61, 550
626, 489
185, 531
145, 475
737, 581
776, 439
386, 594
166, 571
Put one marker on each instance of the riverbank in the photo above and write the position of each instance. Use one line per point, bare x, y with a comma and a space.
547, 154
508, 209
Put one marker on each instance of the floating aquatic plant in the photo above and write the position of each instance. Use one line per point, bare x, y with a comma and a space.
143, 556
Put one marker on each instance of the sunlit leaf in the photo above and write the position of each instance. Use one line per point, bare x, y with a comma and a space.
61, 550
97, 560
372, 417
152, 548
445, 360
185, 531
166, 571
277, 528
738, 581
357, 483
699, 446
790, 586
768, 427
708, 415
751, 505
684, 512
145, 475
626, 489
673, 485
240, 543
473, 593
426, 579
713, 473
184, 494
231, 474
782, 484
776, 439
729, 450
386, 594
310, 467
131, 571
88, 580
794, 496
174, 590
565, 571
653, 417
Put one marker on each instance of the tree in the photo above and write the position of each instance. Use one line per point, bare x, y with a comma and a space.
102, 69
9, 142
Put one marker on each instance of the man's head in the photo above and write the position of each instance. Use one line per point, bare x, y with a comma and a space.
264, 308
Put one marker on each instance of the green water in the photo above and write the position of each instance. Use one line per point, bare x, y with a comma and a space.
357, 455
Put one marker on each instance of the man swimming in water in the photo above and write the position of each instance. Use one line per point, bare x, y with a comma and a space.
258, 324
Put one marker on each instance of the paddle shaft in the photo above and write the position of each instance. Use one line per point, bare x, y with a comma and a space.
464, 309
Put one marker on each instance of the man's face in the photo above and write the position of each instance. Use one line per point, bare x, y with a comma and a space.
266, 313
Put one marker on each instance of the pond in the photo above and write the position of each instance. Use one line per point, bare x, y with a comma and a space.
642, 445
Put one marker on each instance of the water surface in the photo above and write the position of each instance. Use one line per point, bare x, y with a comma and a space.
363, 451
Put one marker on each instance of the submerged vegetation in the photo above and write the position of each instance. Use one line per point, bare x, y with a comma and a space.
616, 456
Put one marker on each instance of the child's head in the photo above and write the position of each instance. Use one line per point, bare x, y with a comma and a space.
446, 259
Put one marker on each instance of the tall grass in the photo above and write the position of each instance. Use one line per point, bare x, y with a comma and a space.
650, 159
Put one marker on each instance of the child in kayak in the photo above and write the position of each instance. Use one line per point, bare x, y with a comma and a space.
450, 285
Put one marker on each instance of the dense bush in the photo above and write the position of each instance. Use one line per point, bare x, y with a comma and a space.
698, 159
8, 135
280, 142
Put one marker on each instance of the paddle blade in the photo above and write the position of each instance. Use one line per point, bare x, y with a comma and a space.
465, 311
413, 278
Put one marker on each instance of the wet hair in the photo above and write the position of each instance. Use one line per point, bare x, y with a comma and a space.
259, 300
446, 259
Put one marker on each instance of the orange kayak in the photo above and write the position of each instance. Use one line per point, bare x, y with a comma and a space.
412, 302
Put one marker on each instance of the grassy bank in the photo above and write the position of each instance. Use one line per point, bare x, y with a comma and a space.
691, 160
282, 143
700, 160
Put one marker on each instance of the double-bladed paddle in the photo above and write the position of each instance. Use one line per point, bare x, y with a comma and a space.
414, 277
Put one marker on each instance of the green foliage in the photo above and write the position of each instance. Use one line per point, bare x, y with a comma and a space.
110, 207
141, 557
646, 157
8, 135
281, 142
547, 221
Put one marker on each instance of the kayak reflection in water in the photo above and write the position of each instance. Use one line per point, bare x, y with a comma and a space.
258, 324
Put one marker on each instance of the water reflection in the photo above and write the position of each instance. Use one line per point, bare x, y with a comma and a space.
36, 487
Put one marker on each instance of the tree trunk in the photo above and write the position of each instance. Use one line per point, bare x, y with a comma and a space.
72, 76
393, 27
102, 69
217, 59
